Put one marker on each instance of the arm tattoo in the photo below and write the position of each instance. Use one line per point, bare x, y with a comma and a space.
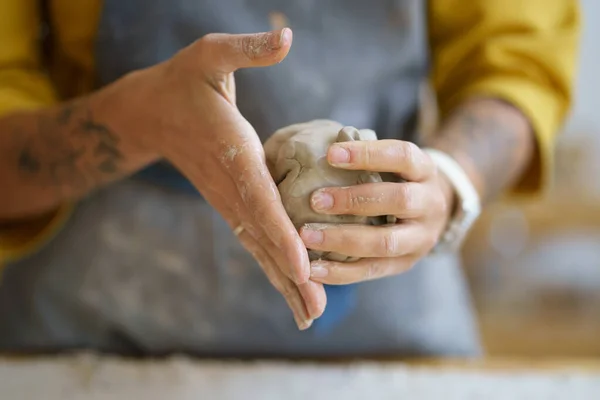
68, 150
494, 138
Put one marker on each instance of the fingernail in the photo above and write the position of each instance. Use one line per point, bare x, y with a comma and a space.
338, 155
310, 236
304, 325
299, 321
321, 201
318, 271
277, 40
300, 317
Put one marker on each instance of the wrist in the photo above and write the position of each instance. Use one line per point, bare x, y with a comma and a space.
121, 105
491, 140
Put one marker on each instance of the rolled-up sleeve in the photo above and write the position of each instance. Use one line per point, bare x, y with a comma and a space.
23, 83
24, 86
523, 52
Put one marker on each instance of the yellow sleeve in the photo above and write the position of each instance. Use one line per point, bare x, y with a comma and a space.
521, 51
23, 85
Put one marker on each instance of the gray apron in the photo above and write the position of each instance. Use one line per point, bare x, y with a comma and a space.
146, 268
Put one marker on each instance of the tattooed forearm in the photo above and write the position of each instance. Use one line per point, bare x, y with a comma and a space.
492, 140
69, 151
52, 156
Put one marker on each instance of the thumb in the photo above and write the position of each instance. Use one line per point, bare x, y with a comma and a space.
224, 53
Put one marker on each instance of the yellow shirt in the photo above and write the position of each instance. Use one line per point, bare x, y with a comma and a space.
522, 51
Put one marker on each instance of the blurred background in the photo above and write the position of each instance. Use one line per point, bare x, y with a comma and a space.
534, 273
534, 266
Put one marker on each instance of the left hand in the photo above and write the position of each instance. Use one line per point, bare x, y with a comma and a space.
422, 205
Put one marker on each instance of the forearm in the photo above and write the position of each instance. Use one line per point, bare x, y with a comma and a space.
51, 156
491, 140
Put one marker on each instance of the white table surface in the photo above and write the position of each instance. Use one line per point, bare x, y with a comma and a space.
89, 377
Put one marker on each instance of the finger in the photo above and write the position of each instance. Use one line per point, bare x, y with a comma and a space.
262, 211
336, 273
255, 245
280, 282
312, 294
314, 297
262, 201
403, 200
367, 241
403, 158
294, 302
225, 53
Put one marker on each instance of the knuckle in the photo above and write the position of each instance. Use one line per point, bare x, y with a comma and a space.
408, 153
389, 245
405, 196
369, 153
349, 200
202, 45
411, 150
206, 39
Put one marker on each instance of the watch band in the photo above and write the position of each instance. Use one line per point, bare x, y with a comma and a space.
468, 205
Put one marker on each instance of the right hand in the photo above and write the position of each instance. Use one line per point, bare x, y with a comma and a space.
186, 111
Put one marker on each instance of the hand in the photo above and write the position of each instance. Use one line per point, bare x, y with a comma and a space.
422, 205
186, 110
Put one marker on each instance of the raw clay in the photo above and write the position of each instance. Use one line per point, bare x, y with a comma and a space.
297, 159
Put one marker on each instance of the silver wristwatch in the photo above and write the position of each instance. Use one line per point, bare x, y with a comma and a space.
468, 203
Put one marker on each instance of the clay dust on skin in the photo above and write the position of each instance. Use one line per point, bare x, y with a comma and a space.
261, 44
231, 152
358, 200
245, 185
258, 45
316, 226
